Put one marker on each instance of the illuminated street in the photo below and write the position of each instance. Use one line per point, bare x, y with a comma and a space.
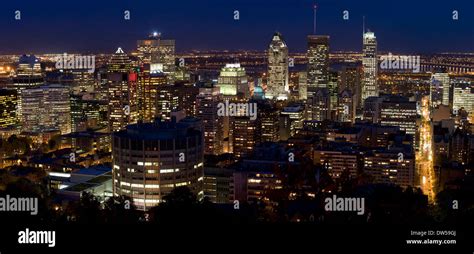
424, 157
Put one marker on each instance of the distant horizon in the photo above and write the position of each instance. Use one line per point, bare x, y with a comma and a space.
232, 51
90, 26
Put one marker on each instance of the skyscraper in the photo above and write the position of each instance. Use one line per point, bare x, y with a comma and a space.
243, 132
369, 66
303, 85
207, 105
28, 75
122, 91
233, 80
268, 122
277, 87
159, 53
463, 97
350, 79
149, 85
440, 88
46, 108
318, 72
318, 62
167, 101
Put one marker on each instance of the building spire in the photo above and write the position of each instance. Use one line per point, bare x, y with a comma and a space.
314, 18
363, 25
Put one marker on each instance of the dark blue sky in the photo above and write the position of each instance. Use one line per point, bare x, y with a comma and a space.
410, 26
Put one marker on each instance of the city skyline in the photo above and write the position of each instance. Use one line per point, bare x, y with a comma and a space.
80, 28
329, 114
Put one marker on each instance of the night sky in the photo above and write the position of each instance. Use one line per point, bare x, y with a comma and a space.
401, 26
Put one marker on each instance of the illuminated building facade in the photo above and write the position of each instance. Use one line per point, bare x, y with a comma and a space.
350, 79
167, 102
346, 107
243, 133
268, 122
386, 166
277, 87
122, 91
207, 105
233, 81
87, 113
291, 120
320, 105
151, 159
149, 85
317, 73
28, 75
159, 53
369, 66
463, 96
46, 108
318, 61
8, 105
439, 91
337, 162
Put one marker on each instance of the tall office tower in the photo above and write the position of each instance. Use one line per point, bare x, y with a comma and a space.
159, 53
122, 91
439, 91
277, 87
243, 133
207, 105
168, 102
233, 81
8, 104
369, 66
303, 85
268, 122
46, 108
149, 85
234, 86
28, 75
318, 61
350, 79
463, 96
166, 155
320, 103
318, 70
346, 106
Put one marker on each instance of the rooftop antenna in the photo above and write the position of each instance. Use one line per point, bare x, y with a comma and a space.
363, 25
314, 18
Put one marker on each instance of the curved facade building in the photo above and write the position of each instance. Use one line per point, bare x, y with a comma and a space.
151, 159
